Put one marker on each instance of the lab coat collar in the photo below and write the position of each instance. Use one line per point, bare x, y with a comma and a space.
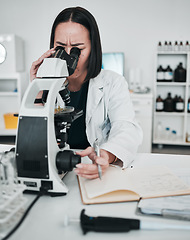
95, 94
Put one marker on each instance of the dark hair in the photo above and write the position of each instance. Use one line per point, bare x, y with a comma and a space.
85, 18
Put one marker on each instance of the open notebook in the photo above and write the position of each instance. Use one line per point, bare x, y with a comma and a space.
119, 185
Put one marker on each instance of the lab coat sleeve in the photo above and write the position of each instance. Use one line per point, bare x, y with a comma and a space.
125, 134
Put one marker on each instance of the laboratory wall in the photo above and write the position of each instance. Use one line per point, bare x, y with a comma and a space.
130, 26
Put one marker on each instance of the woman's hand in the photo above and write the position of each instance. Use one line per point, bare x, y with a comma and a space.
90, 171
35, 65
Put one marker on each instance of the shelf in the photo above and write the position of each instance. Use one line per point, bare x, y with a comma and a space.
12, 94
172, 52
171, 114
171, 84
178, 121
8, 132
12, 88
170, 142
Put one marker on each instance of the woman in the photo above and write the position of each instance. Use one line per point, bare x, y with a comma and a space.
103, 95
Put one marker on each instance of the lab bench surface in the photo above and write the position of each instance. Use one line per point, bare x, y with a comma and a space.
46, 219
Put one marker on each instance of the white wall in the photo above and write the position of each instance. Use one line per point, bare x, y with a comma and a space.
131, 26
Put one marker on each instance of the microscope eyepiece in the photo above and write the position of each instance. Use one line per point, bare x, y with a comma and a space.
71, 59
59, 52
75, 52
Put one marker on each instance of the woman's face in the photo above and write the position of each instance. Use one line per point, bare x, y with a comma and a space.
69, 35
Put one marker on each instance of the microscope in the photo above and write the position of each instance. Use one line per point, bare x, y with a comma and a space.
43, 156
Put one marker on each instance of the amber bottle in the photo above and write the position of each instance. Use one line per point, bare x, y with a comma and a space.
160, 74
159, 104
168, 74
180, 73
168, 104
180, 105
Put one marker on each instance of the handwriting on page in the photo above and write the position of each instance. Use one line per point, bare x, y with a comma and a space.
183, 173
159, 182
152, 182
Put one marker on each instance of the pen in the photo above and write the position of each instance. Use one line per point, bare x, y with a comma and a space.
97, 150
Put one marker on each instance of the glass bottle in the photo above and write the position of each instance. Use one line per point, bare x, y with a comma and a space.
180, 73
160, 74
167, 133
187, 46
176, 46
159, 104
181, 46
168, 74
159, 131
170, 46
165, 46
180, 105
168, 103
173, 135
175, 101
159, 47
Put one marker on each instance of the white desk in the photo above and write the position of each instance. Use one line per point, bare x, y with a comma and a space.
45, 220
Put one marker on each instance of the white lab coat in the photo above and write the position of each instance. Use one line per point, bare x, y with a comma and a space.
109, 98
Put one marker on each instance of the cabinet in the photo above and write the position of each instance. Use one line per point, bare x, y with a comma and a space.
143, 107
166, 122
12, 87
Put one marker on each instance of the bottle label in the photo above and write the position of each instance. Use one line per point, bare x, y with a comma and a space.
159, 106
160, 75
168, 75
188, 107
179, 106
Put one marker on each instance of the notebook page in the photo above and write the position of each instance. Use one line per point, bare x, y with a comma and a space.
151, 182
112, 180
159, 181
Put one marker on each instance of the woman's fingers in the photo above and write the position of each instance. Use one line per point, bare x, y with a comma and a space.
86, 151
36, 64
86, 168
92, 176
47, 54
102, 161
89, 151
90, 171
